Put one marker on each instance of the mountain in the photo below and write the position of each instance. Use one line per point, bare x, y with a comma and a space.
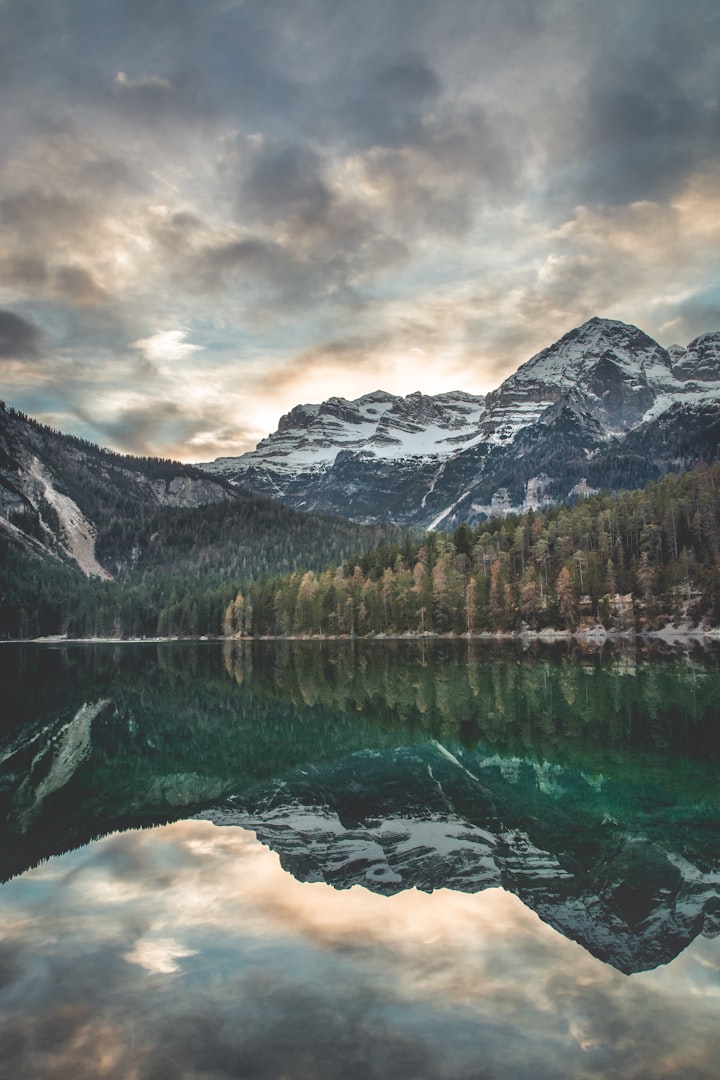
55, 490
604, 407
111, 513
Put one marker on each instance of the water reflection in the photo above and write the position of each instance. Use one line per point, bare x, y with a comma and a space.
186, 951
585, 783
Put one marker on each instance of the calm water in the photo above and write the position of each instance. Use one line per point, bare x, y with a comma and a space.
380, 860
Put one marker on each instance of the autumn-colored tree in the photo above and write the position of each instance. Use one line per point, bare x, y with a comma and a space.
566, 598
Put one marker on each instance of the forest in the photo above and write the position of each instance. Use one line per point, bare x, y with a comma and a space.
175, 568
627, 562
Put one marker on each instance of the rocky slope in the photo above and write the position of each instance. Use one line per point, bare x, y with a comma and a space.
605, 406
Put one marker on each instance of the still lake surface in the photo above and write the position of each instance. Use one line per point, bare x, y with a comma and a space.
310, 860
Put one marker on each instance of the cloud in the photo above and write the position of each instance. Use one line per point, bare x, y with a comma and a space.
643, 136
144, 427
78, 286
386, 107
300, 374
159, 956
191, 418
166, 345
218, 960
10, 964
644, 115
162, 102
24, 271
285, 183
37, 213
154, 82
19, 338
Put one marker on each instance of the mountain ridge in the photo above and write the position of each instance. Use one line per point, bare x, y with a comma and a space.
427, 461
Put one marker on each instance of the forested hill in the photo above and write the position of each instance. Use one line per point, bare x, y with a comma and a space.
96, 543
633, 561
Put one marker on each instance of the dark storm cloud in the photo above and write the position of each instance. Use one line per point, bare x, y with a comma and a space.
26, 271
179, 98
269, 278
285, 182
695, 315
37, 212
644, 115
302, 240
168, 425
283, 167
69, 187
252, 261
10, 964
388, 105
19, 338
177, 234
135, 429
643, 135
125, 861
462, 165
78, 286
303, 1026
435, 157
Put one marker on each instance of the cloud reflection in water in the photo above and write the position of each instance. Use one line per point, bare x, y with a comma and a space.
186, 951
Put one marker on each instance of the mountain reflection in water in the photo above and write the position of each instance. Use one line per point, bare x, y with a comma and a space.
584, 783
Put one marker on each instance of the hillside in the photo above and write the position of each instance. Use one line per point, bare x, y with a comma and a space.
97, 543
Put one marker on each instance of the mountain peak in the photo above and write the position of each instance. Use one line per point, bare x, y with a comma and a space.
602, 323
613, 363
424, 459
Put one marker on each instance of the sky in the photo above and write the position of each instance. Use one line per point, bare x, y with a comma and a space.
214, 210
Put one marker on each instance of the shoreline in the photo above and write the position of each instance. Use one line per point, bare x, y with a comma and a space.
668, 635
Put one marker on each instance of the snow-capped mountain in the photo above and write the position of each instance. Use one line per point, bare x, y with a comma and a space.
559, 426
387, 426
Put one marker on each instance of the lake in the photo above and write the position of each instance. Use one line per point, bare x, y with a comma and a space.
438, 859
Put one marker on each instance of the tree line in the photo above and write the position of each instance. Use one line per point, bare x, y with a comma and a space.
627, 561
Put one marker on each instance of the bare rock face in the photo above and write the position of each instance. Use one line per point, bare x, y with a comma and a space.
700, 361
434, 461
187, 491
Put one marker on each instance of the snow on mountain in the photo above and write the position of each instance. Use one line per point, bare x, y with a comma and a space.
700, 362
381, 424
430, 460
618, 368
